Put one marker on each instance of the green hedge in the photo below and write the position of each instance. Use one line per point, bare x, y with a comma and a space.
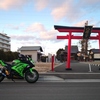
8, 56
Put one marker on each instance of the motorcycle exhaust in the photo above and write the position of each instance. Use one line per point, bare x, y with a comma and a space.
2, 72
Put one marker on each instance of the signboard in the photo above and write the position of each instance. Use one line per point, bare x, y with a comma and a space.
87, 32
97, 56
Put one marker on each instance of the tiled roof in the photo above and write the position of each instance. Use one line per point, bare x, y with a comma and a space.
74, 49
28, 48
95, 50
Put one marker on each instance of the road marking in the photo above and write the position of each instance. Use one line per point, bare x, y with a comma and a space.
66, 81
82, 80
90, 70
63, 73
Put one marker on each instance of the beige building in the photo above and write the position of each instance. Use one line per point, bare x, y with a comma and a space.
4, 42
33, 51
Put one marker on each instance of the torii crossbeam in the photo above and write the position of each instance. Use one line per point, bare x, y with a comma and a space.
70, 36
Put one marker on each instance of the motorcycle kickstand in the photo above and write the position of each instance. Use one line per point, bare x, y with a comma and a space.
12, 78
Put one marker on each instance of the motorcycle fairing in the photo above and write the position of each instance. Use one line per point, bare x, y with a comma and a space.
19, 68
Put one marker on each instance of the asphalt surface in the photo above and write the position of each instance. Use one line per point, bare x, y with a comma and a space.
49, 91
78, 67
80, 83
80, 70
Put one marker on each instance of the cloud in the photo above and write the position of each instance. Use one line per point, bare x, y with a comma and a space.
40, 30
68, 10
15, 27
41, 4
89, 2
22, 37
41, 39
81, 23
74, 10
35, 31
59, 12
48, 35
91, 22
17, 4
36, 27
11, 26
9, 4
60, 9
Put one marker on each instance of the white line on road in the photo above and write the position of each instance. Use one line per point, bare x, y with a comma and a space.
66, 80
90, 70
64, 73
82, 80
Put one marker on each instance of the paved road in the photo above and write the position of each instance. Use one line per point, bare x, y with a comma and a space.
81, 83
50, 91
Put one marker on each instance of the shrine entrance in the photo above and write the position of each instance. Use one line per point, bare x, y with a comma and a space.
70, 30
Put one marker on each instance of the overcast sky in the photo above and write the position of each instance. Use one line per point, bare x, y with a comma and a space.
31, 22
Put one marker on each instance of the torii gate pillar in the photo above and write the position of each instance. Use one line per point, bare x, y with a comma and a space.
68, 58
69, 52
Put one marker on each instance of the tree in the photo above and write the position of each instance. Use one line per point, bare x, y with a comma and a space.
84, 44
2, 54
8, 56
43, 58
59, 55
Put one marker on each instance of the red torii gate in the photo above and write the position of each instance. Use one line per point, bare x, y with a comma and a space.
70, 36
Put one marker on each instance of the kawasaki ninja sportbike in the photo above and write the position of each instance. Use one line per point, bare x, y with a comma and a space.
19, 69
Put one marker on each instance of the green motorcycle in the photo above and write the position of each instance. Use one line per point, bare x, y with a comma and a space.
19, 69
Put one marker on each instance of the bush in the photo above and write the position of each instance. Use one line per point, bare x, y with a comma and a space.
8, 56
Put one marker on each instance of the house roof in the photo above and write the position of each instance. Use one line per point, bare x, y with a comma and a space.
74, 49
95, 50
28, 48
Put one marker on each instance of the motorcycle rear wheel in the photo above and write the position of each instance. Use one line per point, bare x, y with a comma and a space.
1, 78
31, 77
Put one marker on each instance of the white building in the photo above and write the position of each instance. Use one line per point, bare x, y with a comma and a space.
33, 51
4, 42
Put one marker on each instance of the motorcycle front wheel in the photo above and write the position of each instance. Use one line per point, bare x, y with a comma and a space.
31, 77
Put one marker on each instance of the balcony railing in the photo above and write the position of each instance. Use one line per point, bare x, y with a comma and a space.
4, 42
4, 47
5, 38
